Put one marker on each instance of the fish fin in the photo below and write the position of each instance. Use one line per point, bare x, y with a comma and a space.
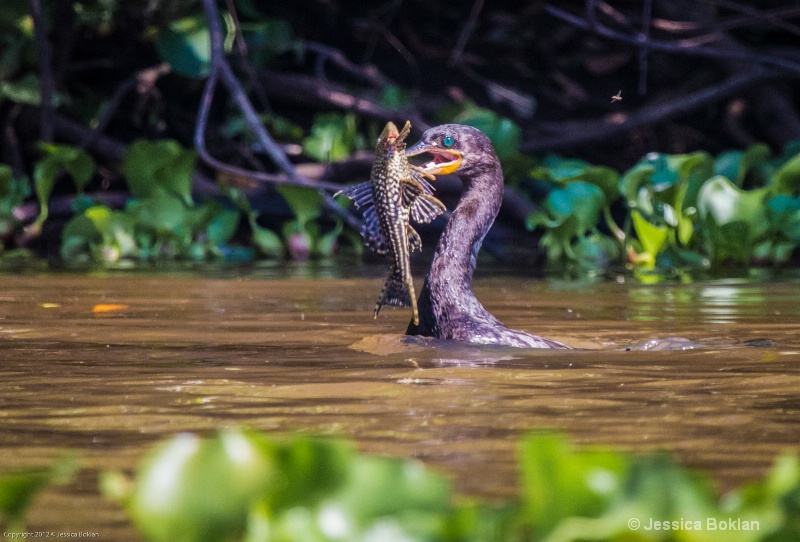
414, 240
371, 232
397, 293
419, 175
360, 193
418, 178
425, 208
404, 132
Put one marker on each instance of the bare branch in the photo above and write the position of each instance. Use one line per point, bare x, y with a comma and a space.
657, 45
221, 70
466, 32
312, 91
45, 71
581, 132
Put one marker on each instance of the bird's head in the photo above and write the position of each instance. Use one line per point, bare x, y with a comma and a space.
455, 148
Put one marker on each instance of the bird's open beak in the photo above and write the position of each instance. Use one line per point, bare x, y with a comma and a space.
445, 161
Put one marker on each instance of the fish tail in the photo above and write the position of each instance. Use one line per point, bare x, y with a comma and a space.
398, 291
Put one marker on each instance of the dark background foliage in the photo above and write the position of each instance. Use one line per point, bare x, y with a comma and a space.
605, 82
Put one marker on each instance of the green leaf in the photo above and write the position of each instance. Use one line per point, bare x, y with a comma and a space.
6, 178
582, 200
735, 165
559, 483
652, 237
311, 469
45, 173
78, 163
163, 214
266, 241
198, 490
269, 37
394, 97
150, 166
223, 227
18, 489
505, 134
596, 251
787, 179
186, 45
725, 203
26, 90
563, 171
333, 137
13, 190
633, 179
570, 212
78, 237
306, 203
380, 487
326, 244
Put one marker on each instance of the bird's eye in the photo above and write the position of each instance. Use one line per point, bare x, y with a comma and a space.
448, 141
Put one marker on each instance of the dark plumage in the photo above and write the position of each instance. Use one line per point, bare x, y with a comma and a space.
448, 309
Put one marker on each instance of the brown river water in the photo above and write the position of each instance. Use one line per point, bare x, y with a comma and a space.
277, 351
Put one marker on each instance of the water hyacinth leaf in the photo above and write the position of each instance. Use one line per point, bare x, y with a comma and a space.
163, 165
13, 190
726, 203
606, 179
596, 251
633, 179
783, 213
78, 237
100, 216
223, 226
327, 243
652, 237
310, 470
79, 164
729, 241
185, 44
735, 165
505, 134
194, 489
162, 214
787, 179
266, 241
306, 203
333, 137
558, 482
45, 173
18, 489
382, 487
563, 171
582, 200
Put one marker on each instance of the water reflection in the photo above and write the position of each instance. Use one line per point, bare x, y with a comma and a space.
189, 354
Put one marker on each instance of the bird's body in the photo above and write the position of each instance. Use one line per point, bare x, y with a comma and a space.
448, 308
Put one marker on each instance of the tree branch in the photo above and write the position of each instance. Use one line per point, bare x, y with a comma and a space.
663, 46
581, 132
45, 71
221, 70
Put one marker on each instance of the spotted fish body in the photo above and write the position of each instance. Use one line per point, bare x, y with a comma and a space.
395, 194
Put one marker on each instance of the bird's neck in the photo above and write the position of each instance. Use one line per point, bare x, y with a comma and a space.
458, 248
